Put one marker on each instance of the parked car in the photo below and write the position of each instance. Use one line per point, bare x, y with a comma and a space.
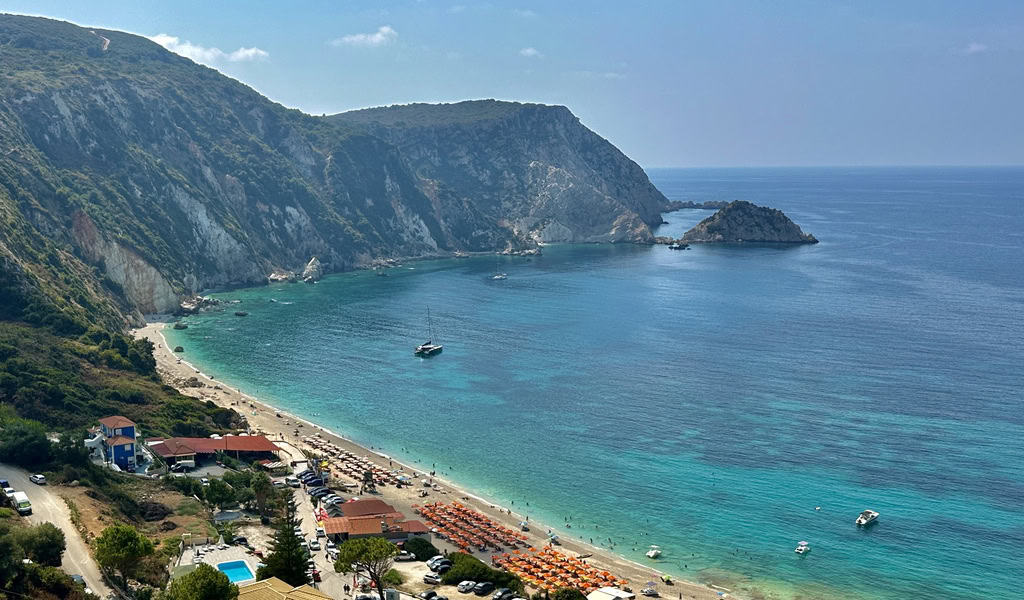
292, 482
279, 483
503, 594
404, 556
9, 492
81, 581
320, 493
316, 575
321, 532
483, 588
298, 531
432, 579
443, 568
440, 597
4, 483
204, 481
367, 597
314, 545
37, 479
240, 541
331, 546
427, 595
441, 564
466, 586
179, 468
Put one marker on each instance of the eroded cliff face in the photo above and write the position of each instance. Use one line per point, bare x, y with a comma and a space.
743, 222
533, 166
170, 178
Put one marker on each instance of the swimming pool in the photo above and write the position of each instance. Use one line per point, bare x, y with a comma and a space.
236, 570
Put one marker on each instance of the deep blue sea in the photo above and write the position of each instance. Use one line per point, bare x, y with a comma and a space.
705, 400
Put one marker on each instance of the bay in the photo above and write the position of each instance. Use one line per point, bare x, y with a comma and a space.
704, 400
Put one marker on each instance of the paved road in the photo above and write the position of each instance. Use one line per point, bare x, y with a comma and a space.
48, 507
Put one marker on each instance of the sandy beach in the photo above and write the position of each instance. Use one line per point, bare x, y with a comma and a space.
264, 419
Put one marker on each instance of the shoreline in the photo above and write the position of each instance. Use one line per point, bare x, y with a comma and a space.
263, 419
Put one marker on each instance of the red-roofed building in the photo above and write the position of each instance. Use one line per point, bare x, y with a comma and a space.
175, 449
390, 527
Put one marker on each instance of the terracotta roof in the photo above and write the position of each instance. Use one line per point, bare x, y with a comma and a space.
275, 589
117, 421
172, 447
119, 440
370, 525
370, 506
413, 527
335, 525
244, 443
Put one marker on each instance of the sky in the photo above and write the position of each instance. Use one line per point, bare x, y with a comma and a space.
671, 83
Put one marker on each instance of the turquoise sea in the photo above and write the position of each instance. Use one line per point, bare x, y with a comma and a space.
705, 400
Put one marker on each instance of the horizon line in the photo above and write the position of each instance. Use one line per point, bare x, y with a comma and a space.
846, 166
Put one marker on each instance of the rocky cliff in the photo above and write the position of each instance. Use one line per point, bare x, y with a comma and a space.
125, 164
535, 167
742, 221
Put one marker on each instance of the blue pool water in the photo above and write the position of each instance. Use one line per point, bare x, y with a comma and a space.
236, 570
704, 400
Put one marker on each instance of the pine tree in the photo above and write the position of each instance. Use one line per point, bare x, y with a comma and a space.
287, 559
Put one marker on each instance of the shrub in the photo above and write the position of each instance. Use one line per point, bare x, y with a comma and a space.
393, 578
466, 567
421, 548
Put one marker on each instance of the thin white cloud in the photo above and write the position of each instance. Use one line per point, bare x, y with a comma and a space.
384, 35
202, 54
974, 48
599, 74
530, 52
525, 13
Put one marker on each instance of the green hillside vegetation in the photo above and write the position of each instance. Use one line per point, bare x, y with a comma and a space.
68, 383
431, 115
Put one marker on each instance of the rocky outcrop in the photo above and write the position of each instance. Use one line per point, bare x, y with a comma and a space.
313, 271
743, 222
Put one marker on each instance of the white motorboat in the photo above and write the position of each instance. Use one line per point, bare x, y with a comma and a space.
654, 552
803, 548
866, 518
499, 276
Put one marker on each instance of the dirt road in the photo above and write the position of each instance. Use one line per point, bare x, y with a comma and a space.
49, 507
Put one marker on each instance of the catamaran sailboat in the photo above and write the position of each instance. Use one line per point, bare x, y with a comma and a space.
429, 348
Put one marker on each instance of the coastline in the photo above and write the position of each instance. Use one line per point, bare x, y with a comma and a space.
261, 417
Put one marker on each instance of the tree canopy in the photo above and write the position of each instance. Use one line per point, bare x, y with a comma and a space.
287, 560
373, 556
120, 547
204, 583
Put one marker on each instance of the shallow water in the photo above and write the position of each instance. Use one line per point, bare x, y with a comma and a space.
704, 400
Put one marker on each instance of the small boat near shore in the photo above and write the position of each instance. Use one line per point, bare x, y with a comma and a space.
654, 552
866, 518
803, 548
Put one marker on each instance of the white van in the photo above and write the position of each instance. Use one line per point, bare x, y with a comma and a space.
21, 503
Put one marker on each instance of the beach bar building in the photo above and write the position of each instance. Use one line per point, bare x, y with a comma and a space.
172, 450
371, 518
